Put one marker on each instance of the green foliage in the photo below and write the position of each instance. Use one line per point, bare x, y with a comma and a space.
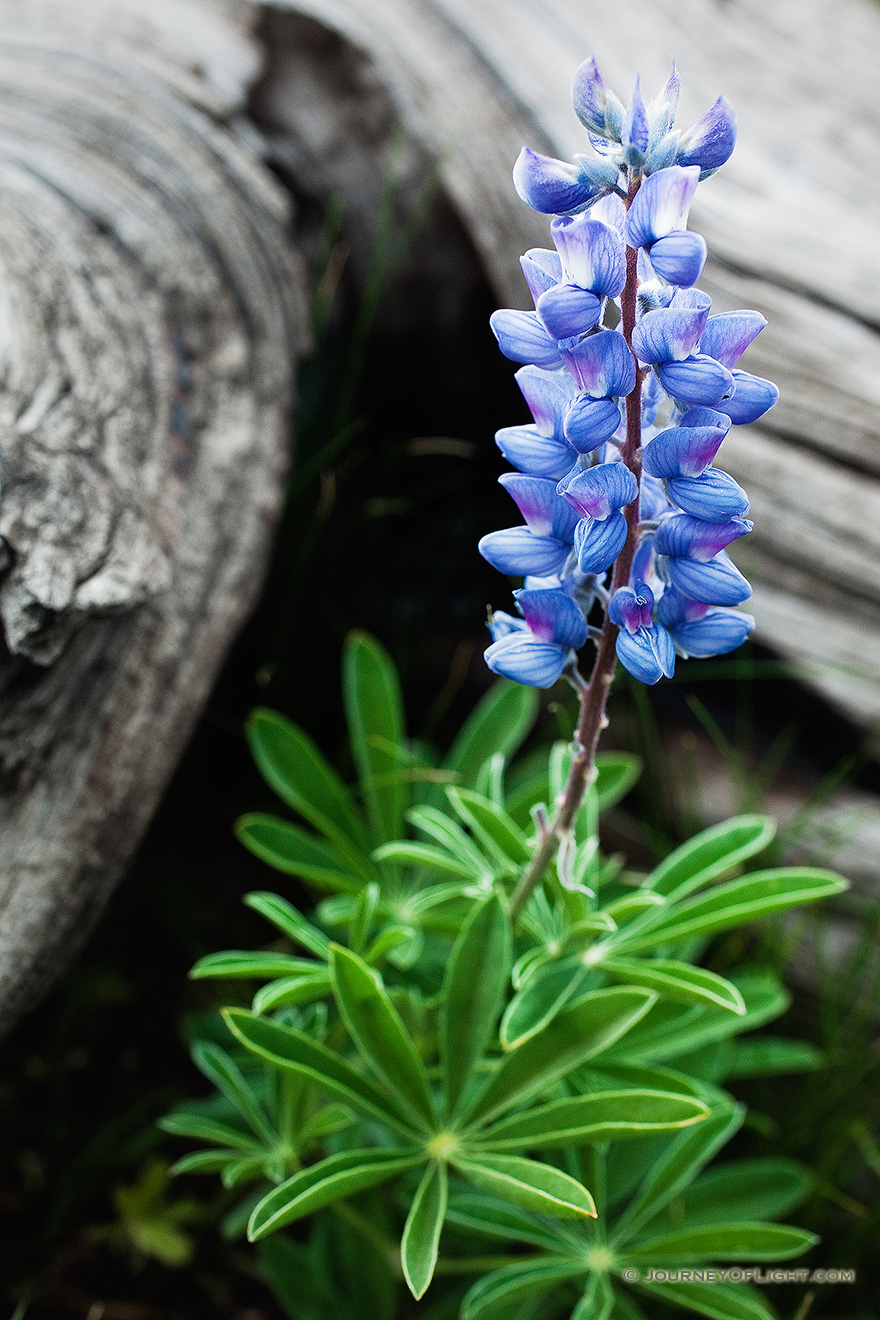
496, 1080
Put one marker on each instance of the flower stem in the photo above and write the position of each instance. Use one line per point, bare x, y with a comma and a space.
594, 696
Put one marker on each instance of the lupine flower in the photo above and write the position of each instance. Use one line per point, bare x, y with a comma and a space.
579, 474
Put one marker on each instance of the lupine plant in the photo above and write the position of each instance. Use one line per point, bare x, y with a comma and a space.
490, 1061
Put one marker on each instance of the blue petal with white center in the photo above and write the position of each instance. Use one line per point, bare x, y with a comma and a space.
522, 338
548, 395
661, 205
592, 254
520, 552
522, 658
698, 380
602, 365
598, 542
752, 397
714, 496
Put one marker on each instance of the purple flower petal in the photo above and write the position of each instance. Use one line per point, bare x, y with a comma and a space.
714, 496
685, 537
535, 454
567, 310
553, 617
718, 632
518, 552
598, 543
592, 253
648, 654
728, 335
679, 258
590, 422
630, 608
634, 132
551, 186
661, 205
602, 364
540, 505
600, 491
696, 380
542, 269
526, 660
752, 398
547, 395
522, 338
710, 141
670, 334
674, 609
591, 97
683, 450
717, 583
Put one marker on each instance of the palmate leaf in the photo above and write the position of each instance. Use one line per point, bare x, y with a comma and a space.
741, 1189
769, 1056
181, 1123
412, 853
603, 1116
477, 1213
323, 1183
579, 1032
527, 1183
686, 1155
288, 848
376, 1029
545, 992
292, 765
718, 1301
496, 1296
678, 981
724, 1241
711, 854
203, 1161
598, 1300
374, 711
452, 838
473, 991
421, 1234
291, 922
286, 1047
732, 904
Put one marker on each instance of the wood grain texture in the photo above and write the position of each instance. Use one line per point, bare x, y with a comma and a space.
790, 222
149, 321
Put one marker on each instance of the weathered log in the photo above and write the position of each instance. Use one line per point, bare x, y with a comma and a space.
789, 222
149, 321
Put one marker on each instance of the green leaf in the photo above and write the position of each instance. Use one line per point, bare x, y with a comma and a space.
423, 854
718, 1301
484, 1214
711, 854
200, 1128
287, 1048
438, 826
297, 852
473, 991
376, 1029
421, 1235
686, 1155
738, 1241
496, 1295
597, 1302
768, 1056
499, 723
291, 922
323, 1183
292, 765
616, 773
374, 710
490, 824
221, 1069
734, 903
292, 990
250, 965
528, 1184
203, 1161
678, 981
601, 1116
578, 1032
545, 992
740, 1189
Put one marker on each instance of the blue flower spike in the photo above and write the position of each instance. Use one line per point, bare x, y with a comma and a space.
623, 507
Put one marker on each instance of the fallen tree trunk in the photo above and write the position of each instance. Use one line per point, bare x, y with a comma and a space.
149, 318
789, 223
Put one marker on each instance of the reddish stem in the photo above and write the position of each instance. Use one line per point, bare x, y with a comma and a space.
594, 697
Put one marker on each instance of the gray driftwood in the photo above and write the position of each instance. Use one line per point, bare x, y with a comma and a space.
790, 222
148, 325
